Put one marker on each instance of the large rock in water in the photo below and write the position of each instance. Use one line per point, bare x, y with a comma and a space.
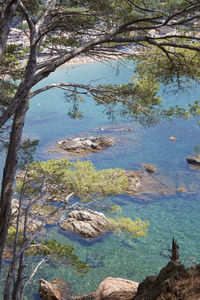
134, 181
58, 289
116, 289
88, 144
87, 223
150, 168
193, 160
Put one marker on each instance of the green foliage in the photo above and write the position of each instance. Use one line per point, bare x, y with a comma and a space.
63, 253
113, 209
80, 178
27, 150
10, 72
196, 151
11, 236
180, 66
75, 99
133, 228
35, 7
10, 65
51, 249
194, 109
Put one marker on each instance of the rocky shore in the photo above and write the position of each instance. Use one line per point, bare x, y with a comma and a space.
174, 282
120, 54
193, 160
87, 223
109, 289
81, 145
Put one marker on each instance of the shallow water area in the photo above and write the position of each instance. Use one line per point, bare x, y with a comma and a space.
174, 214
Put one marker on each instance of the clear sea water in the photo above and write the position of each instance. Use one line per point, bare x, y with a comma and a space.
168, 215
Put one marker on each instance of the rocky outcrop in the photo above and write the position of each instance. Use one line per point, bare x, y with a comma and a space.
87, 223
134, 181
193, 160
109, 289
116, 289
174, 282
142, 184
58, 289
114, 129
83, 145
39, 214
14, 207
150, 168
33, 222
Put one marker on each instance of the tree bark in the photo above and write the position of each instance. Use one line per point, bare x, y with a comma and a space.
6, 17
18, 284
10, 171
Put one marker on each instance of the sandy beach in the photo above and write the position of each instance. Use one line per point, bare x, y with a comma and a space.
88, 59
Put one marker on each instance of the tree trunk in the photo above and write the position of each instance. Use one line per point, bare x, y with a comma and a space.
6, 17
18, 284
175, 252
10, 172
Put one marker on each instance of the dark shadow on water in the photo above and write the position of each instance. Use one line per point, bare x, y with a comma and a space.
73, 236
37, 297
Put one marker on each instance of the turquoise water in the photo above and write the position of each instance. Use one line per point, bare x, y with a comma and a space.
175, 215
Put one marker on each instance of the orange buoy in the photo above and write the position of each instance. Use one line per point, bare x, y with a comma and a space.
172, 138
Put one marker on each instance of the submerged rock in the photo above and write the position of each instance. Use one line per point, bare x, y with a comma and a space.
114, 129
94, 260
134, 181
193, 160
87, 223
87, 144
142, 184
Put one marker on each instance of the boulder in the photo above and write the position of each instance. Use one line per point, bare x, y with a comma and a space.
150, 168
193, 160
88, 144
33, 224
95, 260
116, 289
134, 181
58, 289
87, 223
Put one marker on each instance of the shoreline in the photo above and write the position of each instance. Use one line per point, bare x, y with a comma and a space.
87, 59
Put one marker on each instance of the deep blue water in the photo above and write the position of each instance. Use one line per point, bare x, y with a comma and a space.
168, 215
